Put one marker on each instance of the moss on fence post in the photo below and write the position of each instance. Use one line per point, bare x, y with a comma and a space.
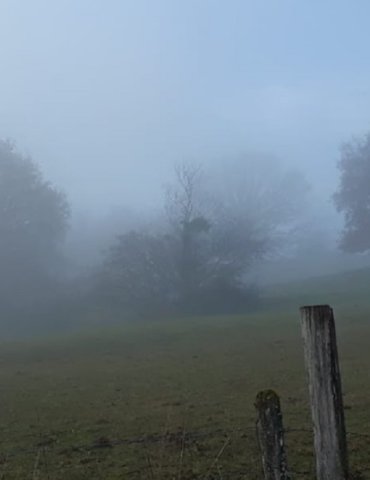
270, 432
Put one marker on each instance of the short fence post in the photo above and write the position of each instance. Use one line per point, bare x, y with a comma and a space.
270, 433
322, 366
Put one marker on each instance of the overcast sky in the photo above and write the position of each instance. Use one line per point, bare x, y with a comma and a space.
107, 94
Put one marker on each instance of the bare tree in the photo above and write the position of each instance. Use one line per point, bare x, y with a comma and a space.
266, 201
182, 198
215, 232
184, 208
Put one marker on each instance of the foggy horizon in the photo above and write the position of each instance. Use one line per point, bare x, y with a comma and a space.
178, 178
107, 97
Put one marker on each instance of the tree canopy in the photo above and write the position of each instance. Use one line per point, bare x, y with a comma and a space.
219, 224
33, 221
352, 198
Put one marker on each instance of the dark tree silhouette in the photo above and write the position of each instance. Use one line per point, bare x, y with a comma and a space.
33, 221
352, 198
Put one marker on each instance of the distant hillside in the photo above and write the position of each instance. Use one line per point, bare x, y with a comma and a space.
349, 289
308, 265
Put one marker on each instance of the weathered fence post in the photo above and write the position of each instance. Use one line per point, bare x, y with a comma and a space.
270, 433
322, 365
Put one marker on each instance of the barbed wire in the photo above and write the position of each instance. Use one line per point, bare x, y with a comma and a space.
103, 442
240, 474
47, 446
106, 442
310, 430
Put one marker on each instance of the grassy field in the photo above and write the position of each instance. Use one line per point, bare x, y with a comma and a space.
184, 375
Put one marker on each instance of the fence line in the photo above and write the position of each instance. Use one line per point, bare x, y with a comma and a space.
328, 432
106, 442
325, 389
270, 432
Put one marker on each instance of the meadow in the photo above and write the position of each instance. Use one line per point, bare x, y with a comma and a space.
141, 380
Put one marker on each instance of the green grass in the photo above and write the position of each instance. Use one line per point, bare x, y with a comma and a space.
179, 376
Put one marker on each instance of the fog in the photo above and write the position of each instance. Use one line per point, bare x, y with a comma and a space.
108, 96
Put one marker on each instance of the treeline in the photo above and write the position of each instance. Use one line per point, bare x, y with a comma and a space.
196, 257
216, 226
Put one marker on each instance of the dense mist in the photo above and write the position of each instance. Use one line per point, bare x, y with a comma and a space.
166, 154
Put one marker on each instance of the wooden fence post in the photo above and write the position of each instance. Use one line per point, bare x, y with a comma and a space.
322, 366
270, 433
